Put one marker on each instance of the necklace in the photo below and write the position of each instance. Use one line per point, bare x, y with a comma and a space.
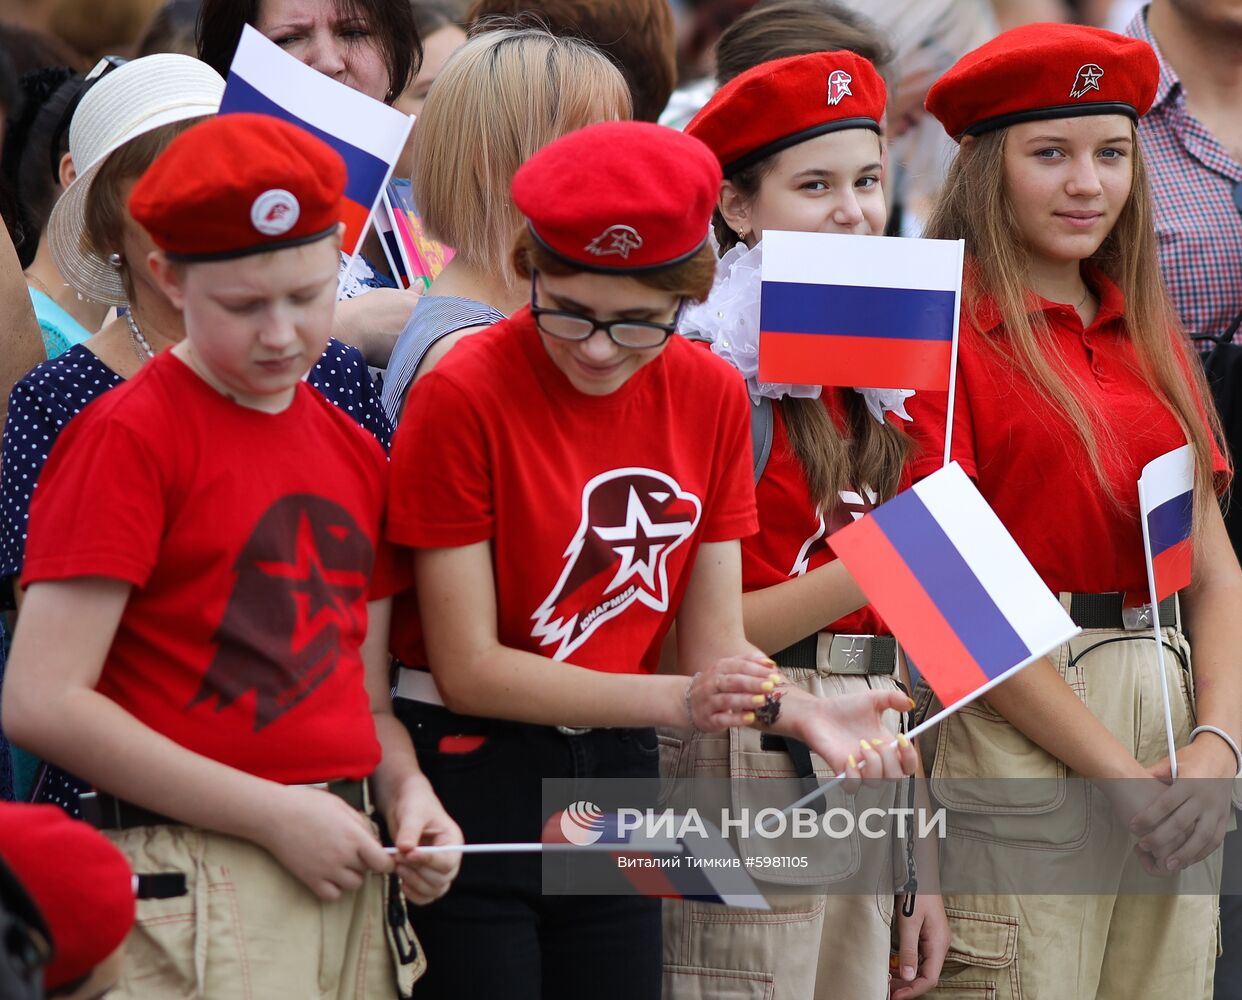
35, 280
1081, 302
142, 346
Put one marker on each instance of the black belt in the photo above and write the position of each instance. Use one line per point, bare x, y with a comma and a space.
800, 755
1110, 611
107, 812
870, 655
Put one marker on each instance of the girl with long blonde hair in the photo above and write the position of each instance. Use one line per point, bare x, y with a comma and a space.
1073, 375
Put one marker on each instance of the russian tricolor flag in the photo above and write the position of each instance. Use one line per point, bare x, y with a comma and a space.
369, 135
953, 586
867, 311
1167, 503
699, 863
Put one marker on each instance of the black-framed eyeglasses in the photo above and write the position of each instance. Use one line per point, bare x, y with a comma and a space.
632, 333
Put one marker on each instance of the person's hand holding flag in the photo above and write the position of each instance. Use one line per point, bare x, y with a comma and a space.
418, 819
848, 732
1185, 821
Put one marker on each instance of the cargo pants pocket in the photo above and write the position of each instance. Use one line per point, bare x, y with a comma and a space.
982, 961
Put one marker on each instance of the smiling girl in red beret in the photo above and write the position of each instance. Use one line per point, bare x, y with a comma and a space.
1073, 374
799, 143
574, 480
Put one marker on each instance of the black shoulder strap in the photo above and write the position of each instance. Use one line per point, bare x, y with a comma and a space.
761, 423
760, 419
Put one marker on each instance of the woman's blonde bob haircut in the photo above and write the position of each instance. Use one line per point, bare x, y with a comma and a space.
503, 96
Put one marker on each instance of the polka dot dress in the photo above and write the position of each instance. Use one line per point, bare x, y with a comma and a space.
51, 395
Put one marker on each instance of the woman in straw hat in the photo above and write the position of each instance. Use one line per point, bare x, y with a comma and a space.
123, 122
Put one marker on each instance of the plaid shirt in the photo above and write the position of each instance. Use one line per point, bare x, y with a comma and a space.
1197, 222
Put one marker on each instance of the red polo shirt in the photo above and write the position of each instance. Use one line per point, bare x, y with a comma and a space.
1028, 460
793, 530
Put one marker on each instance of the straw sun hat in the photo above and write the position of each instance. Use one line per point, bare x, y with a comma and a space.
130, 101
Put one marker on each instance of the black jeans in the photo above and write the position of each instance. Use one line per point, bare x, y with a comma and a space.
495, 934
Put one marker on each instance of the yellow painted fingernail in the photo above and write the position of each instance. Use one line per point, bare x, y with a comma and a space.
748, 718
911, 701
877, 743
759, 699
851, 761
774, 678
902, 741
770, 662
864, 744
768, 685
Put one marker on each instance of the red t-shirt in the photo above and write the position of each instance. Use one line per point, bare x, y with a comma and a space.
793, 530
595, 505
1029, 462
249, 539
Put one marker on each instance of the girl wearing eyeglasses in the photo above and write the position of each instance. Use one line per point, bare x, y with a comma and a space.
574, 480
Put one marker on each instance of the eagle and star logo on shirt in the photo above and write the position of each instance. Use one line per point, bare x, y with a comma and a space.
299, 578
853, 505
632, 519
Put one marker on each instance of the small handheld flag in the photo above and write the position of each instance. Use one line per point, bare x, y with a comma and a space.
699, 862
1166, 492
390, 240
708, 869
954, 587
368, 134
859, 310
426, 257
951, 582
1167, 500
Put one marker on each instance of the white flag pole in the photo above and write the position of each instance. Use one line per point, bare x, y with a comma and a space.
1155, 626
655, 847
957, 320
392, 264
921, 728
395, 155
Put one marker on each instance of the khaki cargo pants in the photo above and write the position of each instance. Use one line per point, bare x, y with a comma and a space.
1108, 945
810, 945
248, 930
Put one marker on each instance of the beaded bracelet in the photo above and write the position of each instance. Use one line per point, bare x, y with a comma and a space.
1217, 731
767, 713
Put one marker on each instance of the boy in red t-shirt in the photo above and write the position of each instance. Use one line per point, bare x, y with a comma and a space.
204, 631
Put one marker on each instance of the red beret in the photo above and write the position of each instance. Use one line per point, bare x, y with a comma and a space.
781, 103
239, 184
81, 883
620, 197
1043, 71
